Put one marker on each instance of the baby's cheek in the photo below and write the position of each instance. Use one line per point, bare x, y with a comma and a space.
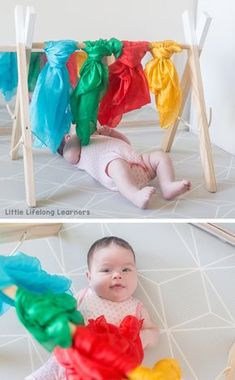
101, 286
133, 282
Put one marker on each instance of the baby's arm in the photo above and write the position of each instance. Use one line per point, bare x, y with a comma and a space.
149, 333
51, 370
106, 131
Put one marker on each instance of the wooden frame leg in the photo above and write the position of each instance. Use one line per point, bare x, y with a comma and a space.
171, 131
16, 130
202, 30
24, 33
198, 97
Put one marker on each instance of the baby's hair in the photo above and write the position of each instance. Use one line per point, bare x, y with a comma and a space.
61, 147
106, 242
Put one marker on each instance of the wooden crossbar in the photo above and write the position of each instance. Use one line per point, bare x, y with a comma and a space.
39, 46
14, 231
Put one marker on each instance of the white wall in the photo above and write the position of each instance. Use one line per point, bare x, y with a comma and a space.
218, 70
124, 19
92, 19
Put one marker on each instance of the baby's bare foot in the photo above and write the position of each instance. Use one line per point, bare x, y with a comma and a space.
142, 197
172, 189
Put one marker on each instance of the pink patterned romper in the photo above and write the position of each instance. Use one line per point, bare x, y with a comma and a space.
91, 306
102, 150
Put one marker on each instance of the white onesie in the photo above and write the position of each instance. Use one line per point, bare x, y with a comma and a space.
96, 157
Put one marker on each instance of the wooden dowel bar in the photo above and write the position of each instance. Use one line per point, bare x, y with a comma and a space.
40, 46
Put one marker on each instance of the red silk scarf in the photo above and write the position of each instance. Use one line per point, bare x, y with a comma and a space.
102, 350
128, 88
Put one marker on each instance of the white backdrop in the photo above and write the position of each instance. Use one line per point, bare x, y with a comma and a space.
81, 20
132, 19
218, 63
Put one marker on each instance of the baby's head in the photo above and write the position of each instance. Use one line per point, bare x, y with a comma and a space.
112, 270
70, 148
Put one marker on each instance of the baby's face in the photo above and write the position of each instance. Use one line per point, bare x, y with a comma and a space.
113, 273
72, 149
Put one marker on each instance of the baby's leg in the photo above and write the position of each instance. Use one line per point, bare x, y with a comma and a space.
119, 170
161, 164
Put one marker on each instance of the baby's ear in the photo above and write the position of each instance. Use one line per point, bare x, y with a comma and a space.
88, 275
67, 137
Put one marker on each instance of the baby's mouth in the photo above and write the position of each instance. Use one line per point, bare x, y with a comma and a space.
117, 286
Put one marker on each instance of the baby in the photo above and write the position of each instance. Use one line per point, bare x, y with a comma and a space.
110, 159
112, 277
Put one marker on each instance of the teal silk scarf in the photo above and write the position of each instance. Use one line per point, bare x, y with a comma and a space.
50, 113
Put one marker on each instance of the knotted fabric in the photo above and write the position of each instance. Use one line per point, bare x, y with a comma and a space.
8, 75
163, 81
128, 88
25, 271
50, 113
102, 351
48, 316
92, 86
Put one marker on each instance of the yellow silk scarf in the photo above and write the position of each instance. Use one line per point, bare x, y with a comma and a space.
81, 57
163, 81
165, 369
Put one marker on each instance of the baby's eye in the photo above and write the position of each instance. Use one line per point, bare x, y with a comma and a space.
126, 270
105, 270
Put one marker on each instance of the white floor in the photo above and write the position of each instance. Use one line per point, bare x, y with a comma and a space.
186, 281
62, 188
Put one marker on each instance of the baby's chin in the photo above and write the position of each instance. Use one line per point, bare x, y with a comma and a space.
113, 298
119, 299
118, 296
73, 160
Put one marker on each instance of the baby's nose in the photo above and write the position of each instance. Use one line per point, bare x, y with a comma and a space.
117, 275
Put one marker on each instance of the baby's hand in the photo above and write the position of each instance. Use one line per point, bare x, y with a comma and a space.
103, 130
137, 159
149, 333
149, 337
